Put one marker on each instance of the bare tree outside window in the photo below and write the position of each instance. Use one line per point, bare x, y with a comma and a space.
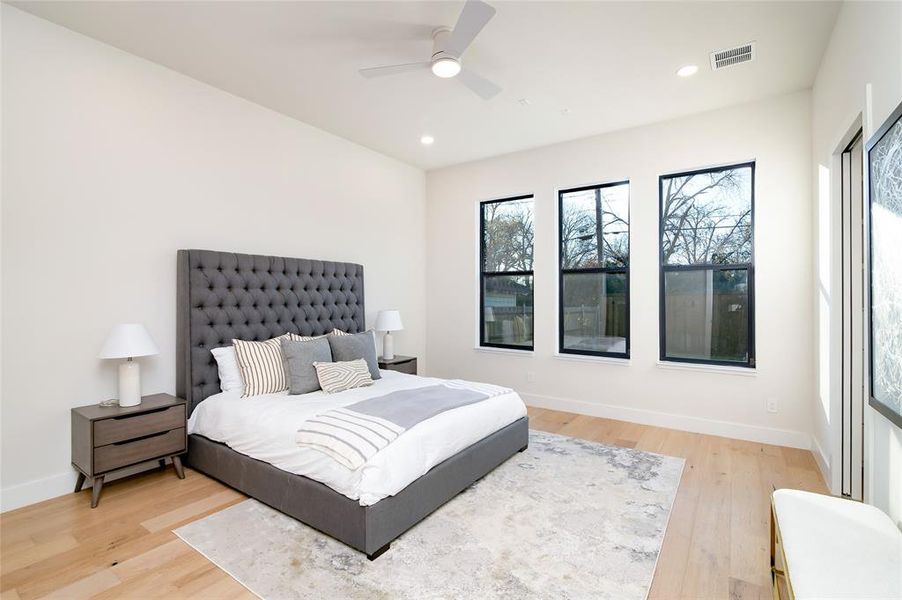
506, 287
508, 235
594, 270
707, 218
595, 227
707, 270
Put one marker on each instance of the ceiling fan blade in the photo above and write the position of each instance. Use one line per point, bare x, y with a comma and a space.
473, 18
481, 86
371, 72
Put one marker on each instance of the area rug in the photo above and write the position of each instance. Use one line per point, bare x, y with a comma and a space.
566, 518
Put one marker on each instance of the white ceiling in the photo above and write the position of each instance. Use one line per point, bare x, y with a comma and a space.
611, 65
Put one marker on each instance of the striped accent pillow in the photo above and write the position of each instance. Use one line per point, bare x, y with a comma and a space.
261, 366
338, 332
340, 376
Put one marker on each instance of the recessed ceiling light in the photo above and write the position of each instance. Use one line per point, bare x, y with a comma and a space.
426, 140
446, 67
687, 71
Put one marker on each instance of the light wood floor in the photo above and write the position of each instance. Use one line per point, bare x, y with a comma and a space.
716, 544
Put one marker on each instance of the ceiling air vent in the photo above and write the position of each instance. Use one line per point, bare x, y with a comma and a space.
728, 57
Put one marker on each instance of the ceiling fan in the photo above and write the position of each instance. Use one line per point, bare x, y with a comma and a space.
448, 45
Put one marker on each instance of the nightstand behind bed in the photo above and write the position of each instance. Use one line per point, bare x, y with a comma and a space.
402, 364
110, 438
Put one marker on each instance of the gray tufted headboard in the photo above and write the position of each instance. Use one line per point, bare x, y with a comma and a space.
224, 296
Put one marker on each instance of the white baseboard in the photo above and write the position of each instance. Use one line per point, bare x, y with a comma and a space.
23, 494
823, 461
31, 492
752, 433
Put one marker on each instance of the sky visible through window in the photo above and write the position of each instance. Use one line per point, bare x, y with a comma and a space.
581, 246
708, 217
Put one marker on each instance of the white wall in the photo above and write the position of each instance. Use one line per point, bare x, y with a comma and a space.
860, 78
112, 163
777, 134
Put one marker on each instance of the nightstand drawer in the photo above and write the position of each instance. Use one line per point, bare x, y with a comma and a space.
120, 454
118, 429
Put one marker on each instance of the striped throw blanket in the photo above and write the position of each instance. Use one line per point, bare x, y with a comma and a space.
353, 434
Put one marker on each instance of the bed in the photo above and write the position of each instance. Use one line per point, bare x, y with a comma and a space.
222, 296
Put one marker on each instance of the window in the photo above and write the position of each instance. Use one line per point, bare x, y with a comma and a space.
506, 286
707, 266
594, 255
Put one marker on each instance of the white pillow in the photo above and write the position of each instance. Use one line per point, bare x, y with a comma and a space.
229, 373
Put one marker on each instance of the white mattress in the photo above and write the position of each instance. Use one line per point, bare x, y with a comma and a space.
264, 427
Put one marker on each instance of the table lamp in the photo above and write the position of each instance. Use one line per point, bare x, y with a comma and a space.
128, 341
388, 321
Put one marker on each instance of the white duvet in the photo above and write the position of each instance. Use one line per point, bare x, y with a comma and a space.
265, 427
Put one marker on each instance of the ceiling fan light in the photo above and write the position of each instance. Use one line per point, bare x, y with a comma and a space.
445, 67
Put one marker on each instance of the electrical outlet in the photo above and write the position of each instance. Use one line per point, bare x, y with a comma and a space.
530, 377
771, 405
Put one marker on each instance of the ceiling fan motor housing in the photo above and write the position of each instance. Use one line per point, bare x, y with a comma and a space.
440, 36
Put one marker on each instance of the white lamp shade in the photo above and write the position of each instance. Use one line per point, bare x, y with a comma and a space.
389, 320
127, 341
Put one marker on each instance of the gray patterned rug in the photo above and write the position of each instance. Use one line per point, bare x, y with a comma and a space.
565, 519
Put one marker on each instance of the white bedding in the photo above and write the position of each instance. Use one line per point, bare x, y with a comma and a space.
265, 427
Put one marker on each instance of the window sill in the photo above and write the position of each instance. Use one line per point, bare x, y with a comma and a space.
610, 360
508, 351
725, 370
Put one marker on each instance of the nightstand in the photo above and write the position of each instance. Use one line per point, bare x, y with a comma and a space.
402, 364
109, 438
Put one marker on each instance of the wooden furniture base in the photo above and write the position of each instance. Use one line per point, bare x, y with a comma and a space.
107, 439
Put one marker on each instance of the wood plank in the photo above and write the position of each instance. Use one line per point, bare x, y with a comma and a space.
87, 587
707, 563
21, 558
193, 511
749, 519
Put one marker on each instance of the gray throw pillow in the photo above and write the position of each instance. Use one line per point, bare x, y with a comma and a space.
298, 358
354, 346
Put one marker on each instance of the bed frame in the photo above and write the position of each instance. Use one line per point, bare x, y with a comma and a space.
223, 295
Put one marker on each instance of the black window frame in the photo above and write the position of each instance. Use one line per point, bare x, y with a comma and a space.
598, 270
483, 274
749, 267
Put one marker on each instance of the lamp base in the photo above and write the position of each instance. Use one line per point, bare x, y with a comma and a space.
129, 383
388, 349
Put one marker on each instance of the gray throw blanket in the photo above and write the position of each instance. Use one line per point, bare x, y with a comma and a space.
353, 434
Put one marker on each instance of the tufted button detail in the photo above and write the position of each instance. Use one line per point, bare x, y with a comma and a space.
284, 294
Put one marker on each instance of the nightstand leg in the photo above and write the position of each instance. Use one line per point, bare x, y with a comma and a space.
80, 482
162, 464
179, 470
95, 493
